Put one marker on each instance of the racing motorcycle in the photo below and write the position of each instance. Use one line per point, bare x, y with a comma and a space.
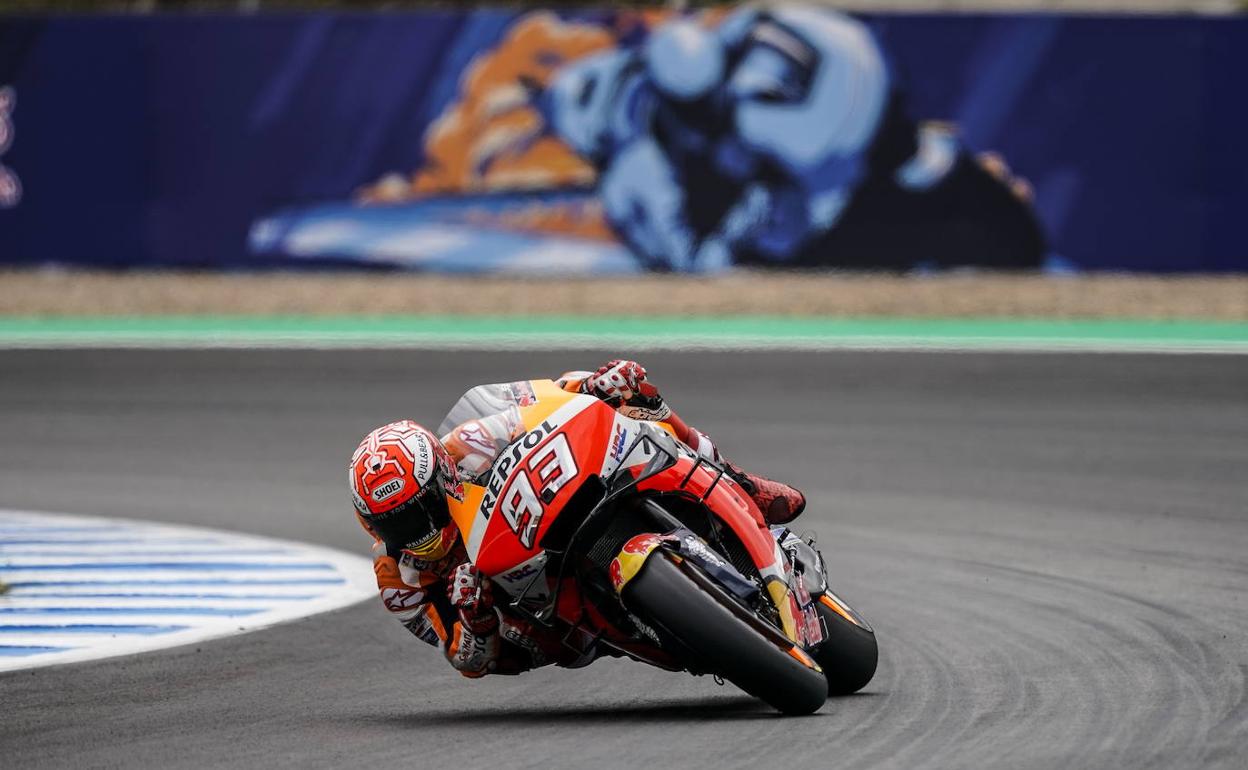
609, 529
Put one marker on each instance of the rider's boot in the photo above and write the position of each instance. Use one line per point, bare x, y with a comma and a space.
780, 503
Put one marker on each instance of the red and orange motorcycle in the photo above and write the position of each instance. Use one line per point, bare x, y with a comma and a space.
613, 532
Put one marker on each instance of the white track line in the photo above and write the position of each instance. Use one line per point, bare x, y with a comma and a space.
86, 587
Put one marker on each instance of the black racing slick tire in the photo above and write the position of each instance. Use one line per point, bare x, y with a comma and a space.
723, 636
849, 653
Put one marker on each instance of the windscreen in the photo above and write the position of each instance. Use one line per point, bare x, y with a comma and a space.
478, 402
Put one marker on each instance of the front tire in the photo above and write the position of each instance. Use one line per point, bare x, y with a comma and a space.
848, 655
723, 636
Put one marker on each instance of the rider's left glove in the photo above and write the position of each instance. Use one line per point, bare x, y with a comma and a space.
622, 384
615, 381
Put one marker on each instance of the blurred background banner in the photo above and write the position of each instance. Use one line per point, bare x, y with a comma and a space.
622, 141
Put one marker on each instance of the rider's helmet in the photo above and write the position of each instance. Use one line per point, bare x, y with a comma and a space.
685, 60
401, 476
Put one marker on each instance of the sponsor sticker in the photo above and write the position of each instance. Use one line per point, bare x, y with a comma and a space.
424, 459
618, 442
422, 627
646, 414
694, 547
525, 579
510, 457
387, 490
516, 575
452, 485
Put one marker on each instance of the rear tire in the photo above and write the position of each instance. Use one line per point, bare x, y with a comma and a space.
713, 627
848, 655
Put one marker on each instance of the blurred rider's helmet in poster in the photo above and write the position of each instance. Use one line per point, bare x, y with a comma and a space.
685, 60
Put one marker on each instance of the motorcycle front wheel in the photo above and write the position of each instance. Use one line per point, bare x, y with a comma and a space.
849, 654
724, 637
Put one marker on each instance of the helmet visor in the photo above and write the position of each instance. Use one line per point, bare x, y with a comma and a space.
415, 522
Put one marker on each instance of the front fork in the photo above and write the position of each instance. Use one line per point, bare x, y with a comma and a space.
811, 583
807, 579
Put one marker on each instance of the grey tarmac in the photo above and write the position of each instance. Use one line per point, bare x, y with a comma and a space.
1053, 550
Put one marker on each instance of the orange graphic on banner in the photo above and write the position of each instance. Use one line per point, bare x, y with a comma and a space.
492, 139
489, 138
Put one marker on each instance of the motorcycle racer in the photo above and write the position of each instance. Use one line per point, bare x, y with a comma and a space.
401, 475
782, 134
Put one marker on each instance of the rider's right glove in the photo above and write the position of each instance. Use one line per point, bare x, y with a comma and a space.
471, 598
473, 648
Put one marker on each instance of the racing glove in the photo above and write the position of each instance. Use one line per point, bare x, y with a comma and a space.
473, 655
623, 385
474, 646
471, 599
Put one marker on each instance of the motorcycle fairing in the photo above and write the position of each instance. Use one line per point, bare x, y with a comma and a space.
596, 445
569, 436
721, 494
502, 518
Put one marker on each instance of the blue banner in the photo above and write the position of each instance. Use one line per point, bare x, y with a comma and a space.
618, 141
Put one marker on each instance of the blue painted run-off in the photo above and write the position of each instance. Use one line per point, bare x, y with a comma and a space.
239, 597
192, 566
18, 650
215, 582
222, 611
90, 628
72, 596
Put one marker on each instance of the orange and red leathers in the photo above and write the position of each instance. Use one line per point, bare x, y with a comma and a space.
415, 593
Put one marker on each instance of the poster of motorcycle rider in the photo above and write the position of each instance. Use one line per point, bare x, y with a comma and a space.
746, 136
616, 140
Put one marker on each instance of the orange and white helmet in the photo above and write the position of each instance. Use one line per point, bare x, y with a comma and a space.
400, 478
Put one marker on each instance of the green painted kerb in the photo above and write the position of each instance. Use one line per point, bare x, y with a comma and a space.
755, 331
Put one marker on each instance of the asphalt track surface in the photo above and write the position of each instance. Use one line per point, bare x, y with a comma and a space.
1052, 548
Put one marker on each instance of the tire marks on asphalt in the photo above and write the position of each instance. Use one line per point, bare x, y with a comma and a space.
1009, 651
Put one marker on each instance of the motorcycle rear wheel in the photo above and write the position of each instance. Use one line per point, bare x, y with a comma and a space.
714, 628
